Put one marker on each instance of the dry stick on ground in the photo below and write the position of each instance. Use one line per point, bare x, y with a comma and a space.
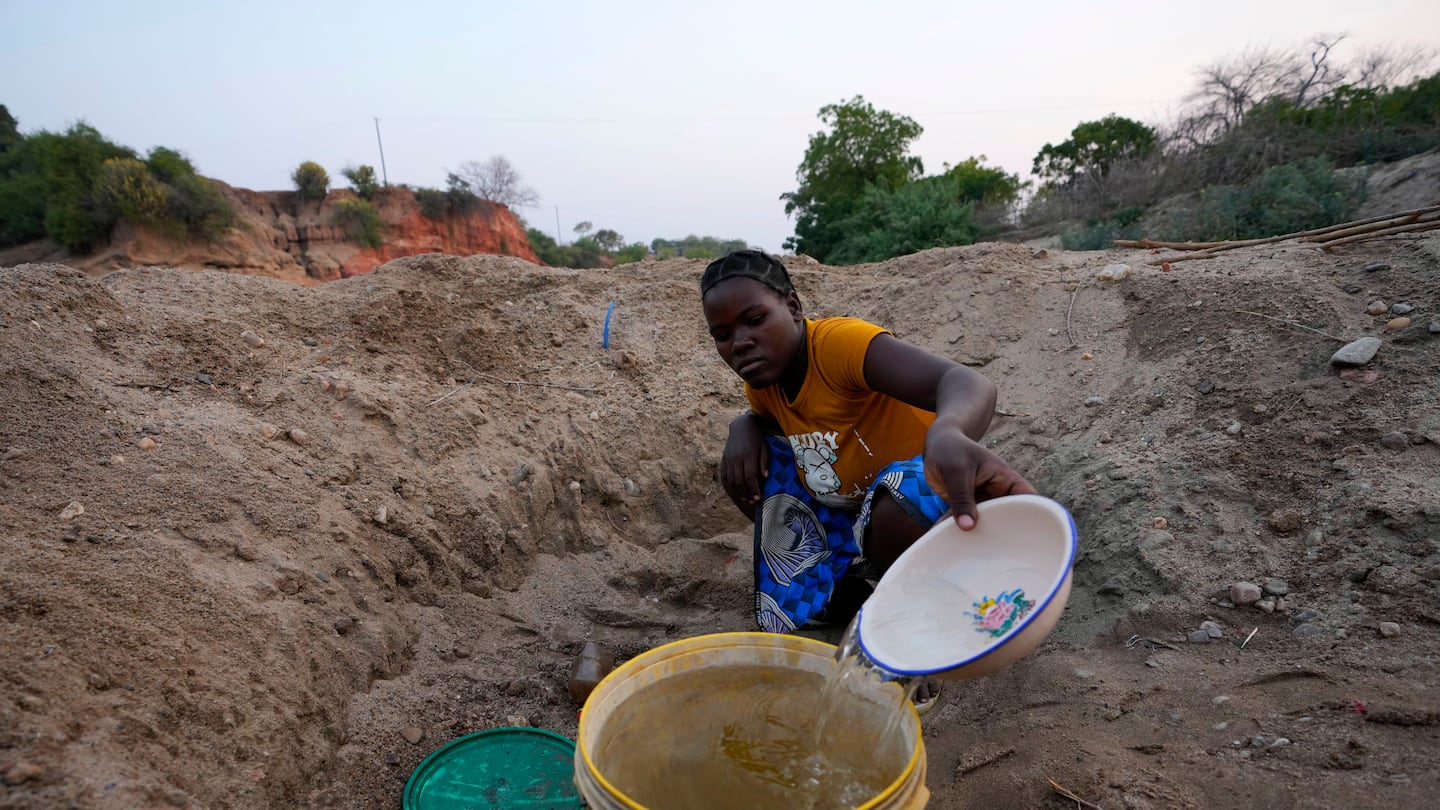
1405, 221
1056, 786
1068, 310
1230, 244
1428, 225
1291, 323
451, 394
990, 760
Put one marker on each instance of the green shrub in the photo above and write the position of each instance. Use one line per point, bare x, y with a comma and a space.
311, 181
168, 165
362, 179
131, 192
433, 203
361, 221
1285, 199
197, 203
1097, 234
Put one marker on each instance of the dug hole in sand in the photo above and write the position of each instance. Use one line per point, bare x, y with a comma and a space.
396, 518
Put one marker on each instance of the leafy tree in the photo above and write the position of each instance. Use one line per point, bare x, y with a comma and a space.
361, 221
9, 130
633, 252
864, 147
979, 183
583, 227
498, 181
71, 164
128, 189
1093, 147
609, 240
362, 179
694, 247
311, 181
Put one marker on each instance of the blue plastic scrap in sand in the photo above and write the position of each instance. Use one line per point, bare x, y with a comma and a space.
605, 335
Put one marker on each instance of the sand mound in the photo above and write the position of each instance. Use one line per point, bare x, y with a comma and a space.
403, 501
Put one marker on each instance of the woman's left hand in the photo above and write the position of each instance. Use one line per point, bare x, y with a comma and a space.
964, 472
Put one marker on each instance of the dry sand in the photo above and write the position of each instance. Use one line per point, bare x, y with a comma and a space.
408, 509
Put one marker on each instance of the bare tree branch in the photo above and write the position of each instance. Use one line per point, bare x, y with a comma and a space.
497, 180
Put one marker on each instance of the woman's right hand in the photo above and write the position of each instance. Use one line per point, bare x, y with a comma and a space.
745, 463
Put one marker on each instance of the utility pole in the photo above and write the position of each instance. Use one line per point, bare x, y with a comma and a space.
558, 239
384, 176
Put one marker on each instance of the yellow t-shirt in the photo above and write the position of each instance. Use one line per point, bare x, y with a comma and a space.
842, 431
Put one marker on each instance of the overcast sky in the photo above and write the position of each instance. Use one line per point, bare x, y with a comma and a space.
657, 119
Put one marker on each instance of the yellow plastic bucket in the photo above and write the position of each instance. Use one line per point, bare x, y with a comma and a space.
744, 651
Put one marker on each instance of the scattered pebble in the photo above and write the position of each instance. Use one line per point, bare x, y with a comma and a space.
23, 771
251, 339
1091, 402
1377, 308
1220, 700
1084, 674
1373, 266
1276, 587
1221, 726
1087, 356
462, 651
1198, 637
381, 516
72, 511
517, 720
1395, 440
146, 443
1267, 605
1434, 327
1114, 272
1259, 408
71, 534
1213, 629
1389, 629
1234, 428
392, 759
310, 341
1357, 352
344, 625
1206, 386
1160, 523
151, 429
1396, 324
1308, 631
299, 436
429, 511
1307, 615
204, 379
1244, 594
1401, 309
1152, 663
1279, 742
117, 460
412, 735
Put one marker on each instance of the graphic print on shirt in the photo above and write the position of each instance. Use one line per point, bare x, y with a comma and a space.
814, 455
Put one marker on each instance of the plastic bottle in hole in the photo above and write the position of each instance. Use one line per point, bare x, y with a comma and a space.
591, 666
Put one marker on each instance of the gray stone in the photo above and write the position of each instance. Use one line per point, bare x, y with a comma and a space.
1401, 309
1279, 742
1244, 594
1205, 386
1084, 674
1357, 352
1308, 631
1377, 308
1434, 327
1277, 587
1373, 266
1394, 440
1091, 402
1389, 629
1306, 615
1213, 629
1198, 637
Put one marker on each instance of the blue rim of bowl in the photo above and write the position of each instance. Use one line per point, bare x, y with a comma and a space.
1014, 631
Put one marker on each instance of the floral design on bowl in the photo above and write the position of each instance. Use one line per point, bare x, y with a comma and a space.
996, 616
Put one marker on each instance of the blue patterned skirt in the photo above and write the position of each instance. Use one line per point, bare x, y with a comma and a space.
803, 547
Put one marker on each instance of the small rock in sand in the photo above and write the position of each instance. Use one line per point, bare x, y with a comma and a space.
1401, 309
1198, 637
146, 443
22, 772
72, 511
299, 436
1395, 440
1244, 594
1389, 629
1213, 629
1396, 324
1377, 308
1356, 352
1373, 266
412, 735
251, 339
344, 625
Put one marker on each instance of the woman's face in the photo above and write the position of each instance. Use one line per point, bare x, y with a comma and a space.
757, 331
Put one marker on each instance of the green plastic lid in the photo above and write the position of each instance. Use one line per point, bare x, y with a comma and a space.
512, 767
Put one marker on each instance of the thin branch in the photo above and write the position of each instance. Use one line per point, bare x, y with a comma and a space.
1290, 323
1056, 786
451, 394
990, 760
1068, 310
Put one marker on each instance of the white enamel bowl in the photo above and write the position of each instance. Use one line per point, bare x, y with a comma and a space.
964, 604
